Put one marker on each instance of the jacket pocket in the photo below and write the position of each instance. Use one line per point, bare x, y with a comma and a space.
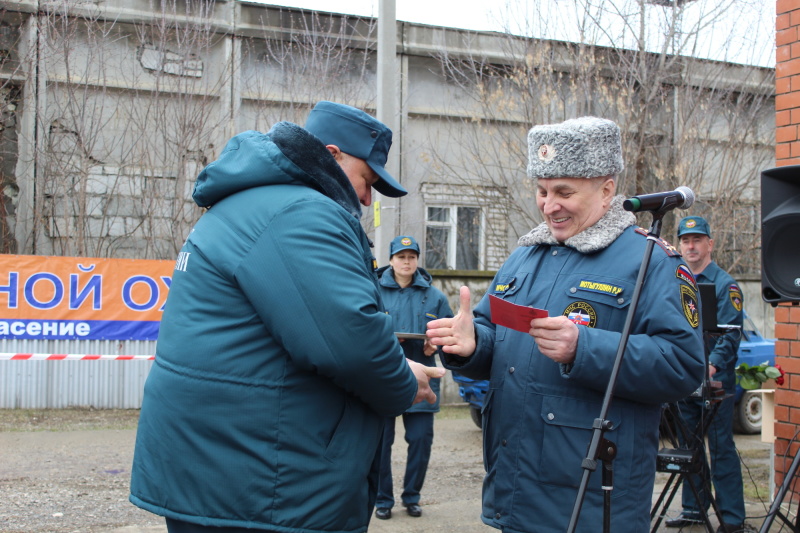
597, 301
352, 431
567, 431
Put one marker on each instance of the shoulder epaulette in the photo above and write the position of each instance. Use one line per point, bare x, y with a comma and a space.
670, 250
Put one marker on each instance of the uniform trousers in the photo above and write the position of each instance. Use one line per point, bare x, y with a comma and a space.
419, 436
726, 468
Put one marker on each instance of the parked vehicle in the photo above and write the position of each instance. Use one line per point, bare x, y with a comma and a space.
472, 391
754, 349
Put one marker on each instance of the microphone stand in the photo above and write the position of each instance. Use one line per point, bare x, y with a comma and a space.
599, 447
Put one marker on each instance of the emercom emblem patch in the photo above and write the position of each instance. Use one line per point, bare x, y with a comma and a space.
735, 295
581, 313
689, 302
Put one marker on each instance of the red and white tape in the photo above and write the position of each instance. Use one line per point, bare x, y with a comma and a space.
71, 357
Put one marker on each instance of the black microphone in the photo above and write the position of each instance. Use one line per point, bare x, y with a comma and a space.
682, 198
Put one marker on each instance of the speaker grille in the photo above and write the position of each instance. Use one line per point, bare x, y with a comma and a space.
780, 250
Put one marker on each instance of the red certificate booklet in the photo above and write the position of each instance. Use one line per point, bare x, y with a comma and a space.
513, 316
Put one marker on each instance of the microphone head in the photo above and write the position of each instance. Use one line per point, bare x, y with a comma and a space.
688, 197
631, 204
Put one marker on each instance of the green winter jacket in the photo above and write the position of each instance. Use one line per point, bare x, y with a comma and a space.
275, 364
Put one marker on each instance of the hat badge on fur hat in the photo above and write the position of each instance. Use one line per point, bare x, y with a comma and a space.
546, 152
586, 147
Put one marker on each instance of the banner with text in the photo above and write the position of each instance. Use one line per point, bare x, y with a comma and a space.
44, 297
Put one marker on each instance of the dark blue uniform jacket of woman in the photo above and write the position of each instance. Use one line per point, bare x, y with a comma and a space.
411, 308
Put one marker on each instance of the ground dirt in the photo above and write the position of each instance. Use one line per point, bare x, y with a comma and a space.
68, 470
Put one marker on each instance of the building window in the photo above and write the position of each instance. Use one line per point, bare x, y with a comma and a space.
453, 237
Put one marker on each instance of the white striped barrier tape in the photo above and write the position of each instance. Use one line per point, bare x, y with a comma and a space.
71, 357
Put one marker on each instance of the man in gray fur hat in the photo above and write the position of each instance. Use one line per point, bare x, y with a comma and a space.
547, 382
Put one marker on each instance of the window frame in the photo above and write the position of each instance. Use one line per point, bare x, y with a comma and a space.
452, 225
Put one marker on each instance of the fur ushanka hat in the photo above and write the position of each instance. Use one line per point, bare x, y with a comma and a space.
586, 147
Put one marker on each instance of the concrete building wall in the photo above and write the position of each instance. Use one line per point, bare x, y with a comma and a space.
110, 110
118, 85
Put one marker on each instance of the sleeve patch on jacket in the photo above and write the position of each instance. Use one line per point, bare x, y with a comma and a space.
684, 274
689, 301
735, 295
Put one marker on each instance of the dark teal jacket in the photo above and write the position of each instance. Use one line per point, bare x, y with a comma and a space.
275, 364
723, 350
411, 308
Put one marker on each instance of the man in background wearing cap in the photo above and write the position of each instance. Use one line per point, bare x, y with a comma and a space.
412, 302
276, 365
548, 382
696, 246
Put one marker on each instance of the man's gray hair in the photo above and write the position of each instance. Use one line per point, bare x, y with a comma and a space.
586, 147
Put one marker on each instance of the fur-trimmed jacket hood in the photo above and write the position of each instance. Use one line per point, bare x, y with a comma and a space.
597, 237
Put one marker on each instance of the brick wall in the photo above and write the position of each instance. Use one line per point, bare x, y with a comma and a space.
787, 152
787, 396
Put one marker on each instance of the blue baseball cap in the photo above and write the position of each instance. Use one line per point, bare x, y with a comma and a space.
357, 134
696, 225
402, 242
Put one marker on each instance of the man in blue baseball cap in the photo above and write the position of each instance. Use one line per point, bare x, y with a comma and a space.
696, 246
275, 357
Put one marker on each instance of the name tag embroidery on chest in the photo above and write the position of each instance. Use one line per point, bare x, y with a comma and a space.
598, 286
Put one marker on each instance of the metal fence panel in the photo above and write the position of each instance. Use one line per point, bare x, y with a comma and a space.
102, 384
34, 384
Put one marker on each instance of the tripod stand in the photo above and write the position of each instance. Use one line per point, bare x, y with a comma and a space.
682, 461
710, 396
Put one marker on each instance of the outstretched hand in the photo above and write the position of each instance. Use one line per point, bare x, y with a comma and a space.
455, 335
424, 374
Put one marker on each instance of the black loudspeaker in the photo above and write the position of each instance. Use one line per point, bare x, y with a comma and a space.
780, 234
